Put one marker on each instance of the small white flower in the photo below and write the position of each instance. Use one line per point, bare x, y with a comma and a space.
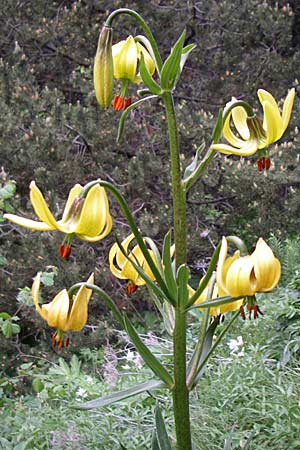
235, 344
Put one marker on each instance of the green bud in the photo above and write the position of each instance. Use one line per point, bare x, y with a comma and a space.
103, 68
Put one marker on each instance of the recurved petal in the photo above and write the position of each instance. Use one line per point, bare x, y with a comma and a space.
79, 310
28, 223
287, 109
35, 296
239, 117
221, 273
230, 136
116, 271
40, 207
249, 148
272, 122
233, 306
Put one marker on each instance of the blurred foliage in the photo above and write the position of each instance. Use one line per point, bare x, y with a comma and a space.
52, 130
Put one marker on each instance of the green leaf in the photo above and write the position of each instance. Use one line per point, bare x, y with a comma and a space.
161, 432
24, 296
183, 275
153, 87
154, 443
218, 127
7, 329
127, 111
205, 281
154, 364
8, 190
47, 278
4, 315
121, 395
190, 169
217, 302
168, 269
3, 261
171, 66
37, 385
209, 335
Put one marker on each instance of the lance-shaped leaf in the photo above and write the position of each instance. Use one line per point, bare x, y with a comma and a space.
200, 168
171, 66
204, 282
184, 56
153, 87
154, 442
151, 360
218, 127
122, 395
190, 169
127, 111
217, 302
163, 440
183, 275
167, 264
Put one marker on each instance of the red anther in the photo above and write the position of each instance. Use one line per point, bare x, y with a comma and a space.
64, 251
127, 102
259, 165
130, 288
118, 102
60, 344
67, 343
268, 163
242, 312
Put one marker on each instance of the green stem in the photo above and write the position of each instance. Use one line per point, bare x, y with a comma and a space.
180, 391
144, 27
178, 190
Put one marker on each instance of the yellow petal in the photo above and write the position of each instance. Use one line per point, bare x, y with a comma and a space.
240, 278
239, 117
267, 268
230, 136
116, 271
100, 236
28, 223
74, 193
272, 122
249, 148
125, 59
93, 216
79, 310
35, 296
40, 207
287, 109
221, 274
233, 306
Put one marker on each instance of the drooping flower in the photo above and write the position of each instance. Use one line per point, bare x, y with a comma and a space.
246, 275
88, 218
126, 55
252, 133
63, 313
122, 268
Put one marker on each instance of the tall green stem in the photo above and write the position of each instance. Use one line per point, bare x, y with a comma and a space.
180, 391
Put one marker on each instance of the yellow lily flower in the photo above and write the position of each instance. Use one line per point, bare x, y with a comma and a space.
126, 55
88, 218
63, 313
253, 134
122, 268
246, 275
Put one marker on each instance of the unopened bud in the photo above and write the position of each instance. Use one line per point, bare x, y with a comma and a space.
103, 68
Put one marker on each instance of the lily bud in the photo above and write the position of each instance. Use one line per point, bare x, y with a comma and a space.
103, 68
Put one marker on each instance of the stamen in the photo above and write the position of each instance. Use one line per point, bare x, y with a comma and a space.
130, 288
